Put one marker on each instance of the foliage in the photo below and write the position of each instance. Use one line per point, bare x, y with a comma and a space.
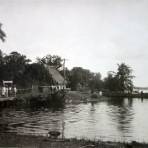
83, 78
110, 82
121, 80
95, 82
14, 65
124, 77
51, 60
17, 67
79, 77
38, 74
94, 95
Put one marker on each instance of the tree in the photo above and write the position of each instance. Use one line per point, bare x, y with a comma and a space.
38, 74
2, 34
120, 80
17, 67
95, 83
124, 77
1, 58
14, 66
110, 82
51, 60
1, 64
79, 76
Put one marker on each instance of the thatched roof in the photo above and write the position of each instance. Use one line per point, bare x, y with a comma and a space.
57, 77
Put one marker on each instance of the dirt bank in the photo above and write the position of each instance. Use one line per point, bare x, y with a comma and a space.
28, 141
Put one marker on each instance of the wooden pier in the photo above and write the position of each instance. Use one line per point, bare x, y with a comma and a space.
6, 99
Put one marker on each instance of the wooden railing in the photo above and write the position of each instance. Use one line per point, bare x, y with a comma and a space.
23, 91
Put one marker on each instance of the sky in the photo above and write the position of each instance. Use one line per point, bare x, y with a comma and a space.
93, 34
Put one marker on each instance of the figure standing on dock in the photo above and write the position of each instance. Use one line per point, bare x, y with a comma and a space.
15, 90
6, 91
9, 91
3, 91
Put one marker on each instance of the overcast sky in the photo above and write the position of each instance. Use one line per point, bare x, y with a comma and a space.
93, 34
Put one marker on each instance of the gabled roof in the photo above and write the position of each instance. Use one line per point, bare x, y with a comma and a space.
56, 75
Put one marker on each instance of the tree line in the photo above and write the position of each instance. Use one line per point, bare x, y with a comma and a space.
24, 73
17, 67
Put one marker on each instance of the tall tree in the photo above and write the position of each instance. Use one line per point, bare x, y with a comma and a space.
14, 65
120, 80
124, 77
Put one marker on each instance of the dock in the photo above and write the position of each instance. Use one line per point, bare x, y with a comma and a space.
6, 99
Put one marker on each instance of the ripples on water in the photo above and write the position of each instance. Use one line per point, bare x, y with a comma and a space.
113, 120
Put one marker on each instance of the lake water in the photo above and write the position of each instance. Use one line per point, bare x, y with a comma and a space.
113, 120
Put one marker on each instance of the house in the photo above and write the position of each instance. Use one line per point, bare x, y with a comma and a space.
58, 79
59, 83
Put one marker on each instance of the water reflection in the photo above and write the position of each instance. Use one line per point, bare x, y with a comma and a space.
122, 115
116, 119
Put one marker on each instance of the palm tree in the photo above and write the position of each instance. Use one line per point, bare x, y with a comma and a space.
2, 34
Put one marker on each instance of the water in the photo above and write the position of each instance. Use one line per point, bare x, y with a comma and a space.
113, 120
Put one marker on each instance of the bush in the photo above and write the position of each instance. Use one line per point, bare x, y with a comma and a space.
94, 95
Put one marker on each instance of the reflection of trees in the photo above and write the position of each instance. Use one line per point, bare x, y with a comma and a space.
92, 110
121, 112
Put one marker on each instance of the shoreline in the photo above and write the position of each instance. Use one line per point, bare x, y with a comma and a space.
17, 140
31, 141
40, 99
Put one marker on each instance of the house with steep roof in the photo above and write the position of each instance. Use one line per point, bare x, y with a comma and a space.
58, 80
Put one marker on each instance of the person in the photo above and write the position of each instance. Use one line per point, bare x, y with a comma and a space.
15, 90
4, 91
9, 90
141, 94
100, 93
